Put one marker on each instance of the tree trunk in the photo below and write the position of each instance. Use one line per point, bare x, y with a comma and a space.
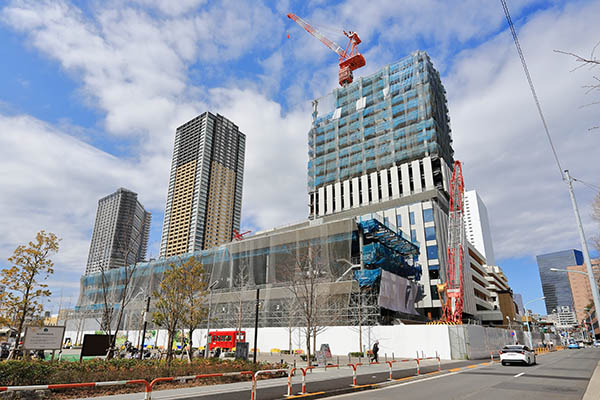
190, 346
314, 340
170, 335
308, 358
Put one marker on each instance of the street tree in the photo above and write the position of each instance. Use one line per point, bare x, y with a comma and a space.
170, 305
307, 278
193, 283
23, 281
590, 61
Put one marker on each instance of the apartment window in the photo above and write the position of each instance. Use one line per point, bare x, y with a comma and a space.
428, 215
411, 217
398, 221
430, 233
432, 252
413, 235
434, 293
434, 272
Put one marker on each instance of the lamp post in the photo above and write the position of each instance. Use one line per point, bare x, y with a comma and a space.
527, 318
210, 288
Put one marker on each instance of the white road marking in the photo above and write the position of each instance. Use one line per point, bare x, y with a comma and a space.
518, 375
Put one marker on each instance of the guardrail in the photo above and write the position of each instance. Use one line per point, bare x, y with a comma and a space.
149, 387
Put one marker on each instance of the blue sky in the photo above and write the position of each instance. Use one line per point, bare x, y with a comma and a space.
91, 93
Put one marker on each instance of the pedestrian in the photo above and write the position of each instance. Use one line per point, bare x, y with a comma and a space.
375, 351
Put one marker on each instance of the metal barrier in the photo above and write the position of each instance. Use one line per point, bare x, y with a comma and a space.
191, 377
255, 376
78, 385
354, 372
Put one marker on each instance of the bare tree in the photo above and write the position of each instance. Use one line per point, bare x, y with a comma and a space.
308, 277
193, 284
592, 61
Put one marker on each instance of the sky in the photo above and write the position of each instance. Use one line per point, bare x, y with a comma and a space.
91, 93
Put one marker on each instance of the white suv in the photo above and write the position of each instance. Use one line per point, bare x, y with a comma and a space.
517, 353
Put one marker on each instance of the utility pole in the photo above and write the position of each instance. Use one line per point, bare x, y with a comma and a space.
584, 247
256, 325
145, 326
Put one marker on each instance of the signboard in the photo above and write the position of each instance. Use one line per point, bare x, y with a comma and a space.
241, 350
95, 345
43, 337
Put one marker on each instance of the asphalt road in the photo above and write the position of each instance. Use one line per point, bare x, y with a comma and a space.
561, 375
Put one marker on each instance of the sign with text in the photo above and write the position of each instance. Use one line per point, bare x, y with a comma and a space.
43, 337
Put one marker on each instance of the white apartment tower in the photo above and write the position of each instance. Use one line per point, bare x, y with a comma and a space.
120, 234
477, 226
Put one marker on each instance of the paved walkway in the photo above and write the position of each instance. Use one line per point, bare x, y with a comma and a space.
331, 377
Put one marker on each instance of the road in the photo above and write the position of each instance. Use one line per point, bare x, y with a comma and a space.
561, 375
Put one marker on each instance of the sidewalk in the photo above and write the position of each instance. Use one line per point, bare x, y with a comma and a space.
317, 375
593, 389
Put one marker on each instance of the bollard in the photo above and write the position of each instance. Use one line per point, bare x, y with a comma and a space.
338, 362
492, 356
353, 373
290, 374
385, 354
439, 362
389, 363
393, 357
418, 366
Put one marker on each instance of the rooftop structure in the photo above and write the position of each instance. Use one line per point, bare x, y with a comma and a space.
477, 226
121, 230
204, 199
555, 285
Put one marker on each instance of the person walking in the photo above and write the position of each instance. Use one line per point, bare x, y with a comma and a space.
375, 351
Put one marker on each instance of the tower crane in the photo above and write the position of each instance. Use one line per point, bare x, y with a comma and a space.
455, 259
350, 58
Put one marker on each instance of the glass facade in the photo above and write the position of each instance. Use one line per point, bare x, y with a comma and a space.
555, 285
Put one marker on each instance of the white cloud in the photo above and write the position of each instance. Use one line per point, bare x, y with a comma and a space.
499, 136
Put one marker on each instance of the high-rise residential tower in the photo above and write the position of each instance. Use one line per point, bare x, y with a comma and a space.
477, 226
204, 200
382, 145
556, 285
121, 232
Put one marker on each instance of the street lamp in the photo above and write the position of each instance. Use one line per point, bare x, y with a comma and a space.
210, 287
568, 270
527, 317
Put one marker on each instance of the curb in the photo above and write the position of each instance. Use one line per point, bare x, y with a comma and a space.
593, 387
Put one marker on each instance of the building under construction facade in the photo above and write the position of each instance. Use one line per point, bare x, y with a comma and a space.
366, 274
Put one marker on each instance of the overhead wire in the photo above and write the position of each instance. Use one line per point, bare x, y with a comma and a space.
590, 185
530, 81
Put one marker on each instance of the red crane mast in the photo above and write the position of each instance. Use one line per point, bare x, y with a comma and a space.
455, 260
350, 58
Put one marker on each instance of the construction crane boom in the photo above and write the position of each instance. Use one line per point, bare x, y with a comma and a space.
313, 31
350, 59
455, 260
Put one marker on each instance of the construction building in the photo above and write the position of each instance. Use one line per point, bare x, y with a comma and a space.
121, 231
382, 145
580, 287
204, 199
555, 285
366, 275
477, 226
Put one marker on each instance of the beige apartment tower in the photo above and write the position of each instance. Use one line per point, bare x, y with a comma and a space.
204, 200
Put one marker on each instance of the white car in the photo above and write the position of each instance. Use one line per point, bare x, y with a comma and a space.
517, 353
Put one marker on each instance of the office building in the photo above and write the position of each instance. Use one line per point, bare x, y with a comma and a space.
121, 230
477, 226
580, 286
382, 145
563, 317
204, 199
555, 285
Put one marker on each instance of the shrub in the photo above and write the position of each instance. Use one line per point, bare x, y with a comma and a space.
356, 354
